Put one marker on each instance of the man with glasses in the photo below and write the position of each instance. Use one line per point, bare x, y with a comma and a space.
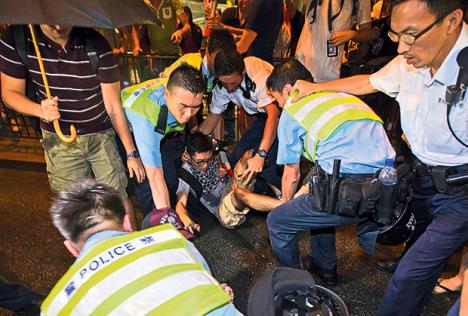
430, 33
224, 197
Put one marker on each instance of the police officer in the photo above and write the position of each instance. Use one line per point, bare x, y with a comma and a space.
158, 143
155, 271
243, 82
430, 33
323, 127
218, 39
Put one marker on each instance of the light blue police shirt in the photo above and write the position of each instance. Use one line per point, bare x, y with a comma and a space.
361, 145
148, 141
226, 310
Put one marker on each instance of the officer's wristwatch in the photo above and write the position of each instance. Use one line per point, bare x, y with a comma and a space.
262, 153
133, 154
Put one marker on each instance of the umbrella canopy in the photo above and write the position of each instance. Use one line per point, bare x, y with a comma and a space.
85, 13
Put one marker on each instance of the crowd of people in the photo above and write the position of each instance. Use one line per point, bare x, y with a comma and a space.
155, 137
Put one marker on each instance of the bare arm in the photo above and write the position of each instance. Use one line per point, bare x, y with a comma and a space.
361, 35
255, 164
208, 125
233, 30
271, 126
136, 41
181, 210
357, 85
158, 186
176, 37
290, 181
13, 95
113, 105
247, 38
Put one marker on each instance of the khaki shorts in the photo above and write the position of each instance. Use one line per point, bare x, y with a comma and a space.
90, 155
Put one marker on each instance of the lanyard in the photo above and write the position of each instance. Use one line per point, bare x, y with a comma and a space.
313, 8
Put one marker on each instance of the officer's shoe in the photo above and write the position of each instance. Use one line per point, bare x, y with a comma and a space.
388, 266
328, 276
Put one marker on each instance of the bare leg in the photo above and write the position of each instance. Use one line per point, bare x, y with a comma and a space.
455, 283
464, 293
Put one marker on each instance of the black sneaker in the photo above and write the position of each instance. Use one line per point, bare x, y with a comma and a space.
388, 266
328, 276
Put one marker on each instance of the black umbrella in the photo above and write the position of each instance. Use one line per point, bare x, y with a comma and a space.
107, 14
84, 13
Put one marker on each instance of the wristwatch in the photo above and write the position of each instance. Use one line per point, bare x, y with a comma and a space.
133, 154
262, 153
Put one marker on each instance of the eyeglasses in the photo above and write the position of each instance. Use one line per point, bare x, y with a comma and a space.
409, 39
202, 163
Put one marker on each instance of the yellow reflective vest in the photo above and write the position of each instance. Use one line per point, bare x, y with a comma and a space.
322, 113
150, 272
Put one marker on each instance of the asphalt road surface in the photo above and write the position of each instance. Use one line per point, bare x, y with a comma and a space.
32, 252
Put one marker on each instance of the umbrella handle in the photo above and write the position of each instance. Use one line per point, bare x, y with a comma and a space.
64, 138
57, 129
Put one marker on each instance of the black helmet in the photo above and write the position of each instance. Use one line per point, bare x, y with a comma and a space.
401, 230
292, 292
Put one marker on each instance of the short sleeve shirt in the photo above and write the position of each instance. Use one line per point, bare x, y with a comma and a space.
423, 107
147, 140
311, 49
258, 71
160, 36
362, 146
70, 75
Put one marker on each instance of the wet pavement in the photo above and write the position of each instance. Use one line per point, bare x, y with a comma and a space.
32, 252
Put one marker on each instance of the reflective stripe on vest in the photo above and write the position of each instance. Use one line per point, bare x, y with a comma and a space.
146, 272
193, 59
324, 112
136, 99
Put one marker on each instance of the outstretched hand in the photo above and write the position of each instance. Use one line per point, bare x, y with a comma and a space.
254, 166
303, 88
136, 168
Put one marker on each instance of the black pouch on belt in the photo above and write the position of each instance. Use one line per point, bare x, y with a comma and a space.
385, 209
318, 188
370, 195
349, 196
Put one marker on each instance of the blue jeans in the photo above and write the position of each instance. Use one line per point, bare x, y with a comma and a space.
251, 140
285, 221
418, 270
16, 297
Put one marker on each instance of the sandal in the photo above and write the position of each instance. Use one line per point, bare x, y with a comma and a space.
441, 289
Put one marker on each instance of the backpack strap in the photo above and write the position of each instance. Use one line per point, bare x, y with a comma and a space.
160, 127
21, 43
22, 49
188, 178
91, 51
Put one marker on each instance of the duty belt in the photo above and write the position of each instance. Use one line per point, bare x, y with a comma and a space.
448, 180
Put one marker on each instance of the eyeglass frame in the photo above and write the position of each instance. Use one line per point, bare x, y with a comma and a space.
398, 37
202, 162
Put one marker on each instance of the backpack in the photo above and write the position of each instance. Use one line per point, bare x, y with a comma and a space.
23, 48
